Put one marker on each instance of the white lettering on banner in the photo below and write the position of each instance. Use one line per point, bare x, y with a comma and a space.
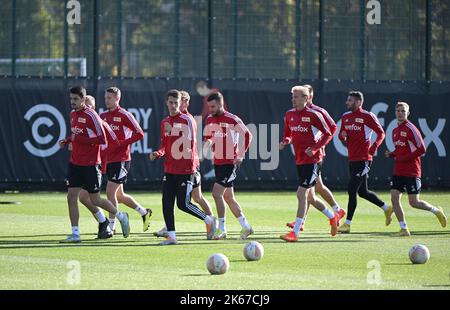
47, 122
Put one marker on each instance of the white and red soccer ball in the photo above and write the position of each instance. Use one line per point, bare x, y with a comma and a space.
419, 254
217, 264
253, 251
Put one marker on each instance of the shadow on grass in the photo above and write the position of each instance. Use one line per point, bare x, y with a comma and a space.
197, 275
400, 264
436, 285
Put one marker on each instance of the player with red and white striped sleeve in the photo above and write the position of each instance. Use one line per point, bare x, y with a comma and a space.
409, 147
118, 160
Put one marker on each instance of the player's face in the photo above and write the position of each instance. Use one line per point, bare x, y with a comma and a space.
299, 99
76, 102
401, 113
111, 101
215, 108
173, 104
352, 103
184, 104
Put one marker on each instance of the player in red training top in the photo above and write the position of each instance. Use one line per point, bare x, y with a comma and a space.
409, 147
84, 169
178, 145
320, 188
307, 130
357, 126
223, 132
118, 160
197, 195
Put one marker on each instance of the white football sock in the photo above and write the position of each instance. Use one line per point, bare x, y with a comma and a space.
385, 207
100, 216
141, 210
434, 210
222, 224
172, 235
328, 213
112, 224
403, 225
243, 221
75, 230
298, 224
348, 222
336, 208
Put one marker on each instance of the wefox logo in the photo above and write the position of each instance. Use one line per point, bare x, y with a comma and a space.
299, 128
399, 143
353, 127
76, 130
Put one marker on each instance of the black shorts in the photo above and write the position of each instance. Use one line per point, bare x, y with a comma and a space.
308, 174
225, 174
412, 185
197, 181
118, 172
88, 178
359, 168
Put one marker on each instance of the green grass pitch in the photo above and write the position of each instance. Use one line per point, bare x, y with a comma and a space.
32, 258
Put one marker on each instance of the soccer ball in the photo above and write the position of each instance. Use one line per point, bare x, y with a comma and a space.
217, 264
419, 254
253, 251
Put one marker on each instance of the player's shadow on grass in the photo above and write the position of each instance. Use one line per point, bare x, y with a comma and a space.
196, 275
33, 236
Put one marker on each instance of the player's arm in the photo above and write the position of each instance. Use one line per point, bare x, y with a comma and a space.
162, 149
137, 133
242, 129
326, 137
416, 138
342, 133
374, 124
287, 134
330, 122
95, 124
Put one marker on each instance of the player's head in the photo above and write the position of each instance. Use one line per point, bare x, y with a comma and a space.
355, 99
311, 92
402, 111
185, 98
112, 98
90, 102
215, 104
300, 95
173, 101
77, 97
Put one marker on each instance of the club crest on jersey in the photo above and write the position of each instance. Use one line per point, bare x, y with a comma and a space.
117, 119
359, 120
223, 125
403, 134
306, 119
82, 120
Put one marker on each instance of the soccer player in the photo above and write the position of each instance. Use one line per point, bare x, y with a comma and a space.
84, 170
301, 126
118, 160
409, 147
356, 131
197, 195
320, 188
223, 132
178, 145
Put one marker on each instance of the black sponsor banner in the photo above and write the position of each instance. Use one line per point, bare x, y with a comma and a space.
35, 116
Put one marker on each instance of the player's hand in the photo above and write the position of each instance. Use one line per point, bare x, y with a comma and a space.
387, 154
309, 152
70, 147
282, 145
344, 135
153, 155
62, 143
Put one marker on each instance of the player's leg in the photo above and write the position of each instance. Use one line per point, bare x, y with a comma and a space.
236, 209
74, 183
130, 202
352, 191
197, 195
413, 187
396, 195
169, 192
219, 187
184, 191
368, 195
111, 195
93, 181
319, 205
103, 228
327, 195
